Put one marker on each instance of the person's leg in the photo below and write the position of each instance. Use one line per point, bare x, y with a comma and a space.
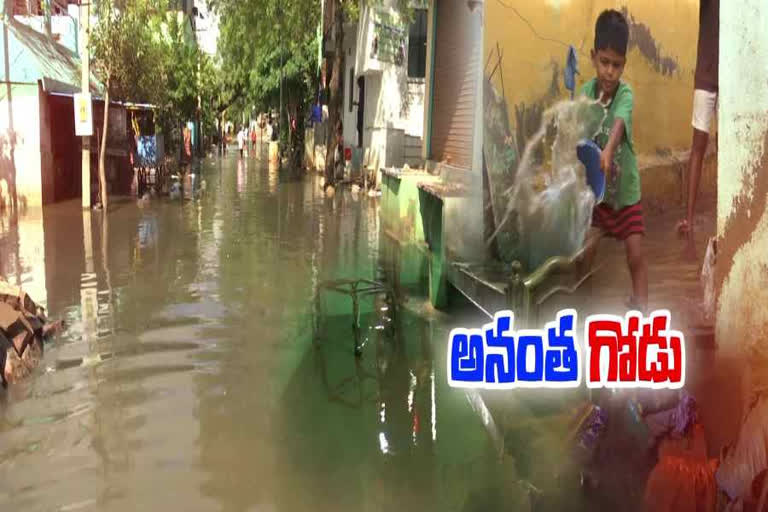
695, 164
638, 269
704, 104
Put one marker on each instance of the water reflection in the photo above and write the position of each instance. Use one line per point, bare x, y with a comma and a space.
22, 253
242, 176
188, 377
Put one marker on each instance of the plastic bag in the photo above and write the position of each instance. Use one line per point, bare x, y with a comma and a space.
684, 479
708, 279
749, 456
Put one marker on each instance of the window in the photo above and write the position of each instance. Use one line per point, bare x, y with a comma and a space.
351, 88
27, 8
417, 45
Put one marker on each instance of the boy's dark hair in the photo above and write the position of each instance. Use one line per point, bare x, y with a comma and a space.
612, 31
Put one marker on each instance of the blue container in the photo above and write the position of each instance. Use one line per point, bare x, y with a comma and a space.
589, 155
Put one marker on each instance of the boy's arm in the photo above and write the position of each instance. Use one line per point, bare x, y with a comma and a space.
622, 127
615, 138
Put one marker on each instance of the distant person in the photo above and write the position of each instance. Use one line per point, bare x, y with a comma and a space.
275, 131
338, 159
240, 141
704, 109
620, 216
186, 152
270, 129
253, 138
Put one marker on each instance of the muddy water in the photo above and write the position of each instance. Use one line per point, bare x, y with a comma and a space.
187, 379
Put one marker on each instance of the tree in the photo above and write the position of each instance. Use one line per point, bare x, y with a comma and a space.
123, 51
334, 104
266, 44
343, 11
180, 63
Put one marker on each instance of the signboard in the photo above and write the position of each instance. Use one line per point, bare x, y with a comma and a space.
83, 115
389, 39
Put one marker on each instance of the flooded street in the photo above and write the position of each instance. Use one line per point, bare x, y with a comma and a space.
187, 377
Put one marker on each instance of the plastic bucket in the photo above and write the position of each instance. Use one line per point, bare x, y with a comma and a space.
589, 154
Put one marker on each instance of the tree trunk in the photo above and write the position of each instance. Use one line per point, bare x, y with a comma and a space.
103, 150
298, 142
334, 104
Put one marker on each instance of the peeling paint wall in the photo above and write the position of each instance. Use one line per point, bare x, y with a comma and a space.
533, 38
20, 157
394, 103
742, 216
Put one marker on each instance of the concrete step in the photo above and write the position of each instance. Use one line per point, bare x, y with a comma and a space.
664, 180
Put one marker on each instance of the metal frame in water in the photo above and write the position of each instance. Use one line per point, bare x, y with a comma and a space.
355, 289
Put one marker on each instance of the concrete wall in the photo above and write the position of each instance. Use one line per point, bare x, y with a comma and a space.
47, 172
534, 38
742, 216
394, 104
350, 115
20, 158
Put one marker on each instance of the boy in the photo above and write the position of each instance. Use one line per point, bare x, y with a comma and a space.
620, 216
704, 109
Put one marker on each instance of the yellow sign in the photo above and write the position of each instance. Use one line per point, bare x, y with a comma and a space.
83, 115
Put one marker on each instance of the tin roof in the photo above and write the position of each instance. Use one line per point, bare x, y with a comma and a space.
34, 56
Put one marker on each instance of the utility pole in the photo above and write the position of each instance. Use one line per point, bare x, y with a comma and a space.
280, 123
199, 107
85, 80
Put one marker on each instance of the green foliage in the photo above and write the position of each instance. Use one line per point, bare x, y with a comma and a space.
147, 53
179, 63
262, 42
121, 43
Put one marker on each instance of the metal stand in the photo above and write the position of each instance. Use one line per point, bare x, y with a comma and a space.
356, 289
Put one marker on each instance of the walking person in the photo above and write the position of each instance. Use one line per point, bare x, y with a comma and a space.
704, 110
186, 153
240, 141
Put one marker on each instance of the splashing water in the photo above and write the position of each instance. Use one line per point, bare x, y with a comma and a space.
550, 204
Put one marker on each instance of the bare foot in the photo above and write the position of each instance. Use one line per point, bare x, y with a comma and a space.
685, 231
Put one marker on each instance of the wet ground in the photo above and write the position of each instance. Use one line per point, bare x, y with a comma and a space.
188, 379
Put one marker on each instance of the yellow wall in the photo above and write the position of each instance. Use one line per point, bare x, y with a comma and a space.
533, 37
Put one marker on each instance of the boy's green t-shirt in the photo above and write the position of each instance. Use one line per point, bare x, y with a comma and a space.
626, 190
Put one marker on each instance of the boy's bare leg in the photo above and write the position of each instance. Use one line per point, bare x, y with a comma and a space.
638, 269
695, 164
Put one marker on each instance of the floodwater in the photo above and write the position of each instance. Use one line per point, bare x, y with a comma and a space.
187, 377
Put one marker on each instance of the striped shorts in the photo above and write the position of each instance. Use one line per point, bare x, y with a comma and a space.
619, 224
